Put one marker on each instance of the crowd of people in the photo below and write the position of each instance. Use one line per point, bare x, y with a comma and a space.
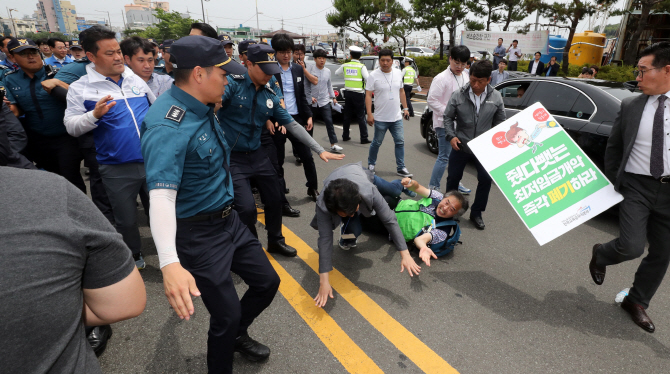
193, 135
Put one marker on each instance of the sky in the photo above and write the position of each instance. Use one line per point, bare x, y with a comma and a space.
301, 16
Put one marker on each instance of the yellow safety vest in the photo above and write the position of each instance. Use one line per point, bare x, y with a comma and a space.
410, 74
353, 74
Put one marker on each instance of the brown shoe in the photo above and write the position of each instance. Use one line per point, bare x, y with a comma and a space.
597, 272
638, 315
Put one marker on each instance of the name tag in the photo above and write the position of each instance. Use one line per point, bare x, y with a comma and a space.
352, 72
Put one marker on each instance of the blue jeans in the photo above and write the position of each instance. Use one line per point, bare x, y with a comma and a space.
327, 117
396, 130
444, 150
386, 188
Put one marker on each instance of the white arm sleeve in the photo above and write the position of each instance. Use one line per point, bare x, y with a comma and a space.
78, 120
163, 215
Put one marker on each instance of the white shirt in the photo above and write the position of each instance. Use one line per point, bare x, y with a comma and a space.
477, 100
441, 89
386, 87
512, 56
535, 64
639, 161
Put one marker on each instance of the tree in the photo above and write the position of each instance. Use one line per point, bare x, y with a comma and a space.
646, 6
401, 29
435, 14
491, 10
513, 11
608, 30
170, 26
45, 35
361, 17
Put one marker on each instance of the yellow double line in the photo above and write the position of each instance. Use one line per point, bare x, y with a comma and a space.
350, 355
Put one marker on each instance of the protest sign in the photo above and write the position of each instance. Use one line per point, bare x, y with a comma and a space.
549, 181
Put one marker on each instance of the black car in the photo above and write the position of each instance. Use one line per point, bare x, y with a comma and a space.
586, 108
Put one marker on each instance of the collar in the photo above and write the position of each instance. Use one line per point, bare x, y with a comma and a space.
483, 93
61, 60
193, 104
94, 76
290, 65
39, 74
655, 98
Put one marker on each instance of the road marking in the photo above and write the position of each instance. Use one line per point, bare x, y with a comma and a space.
422, 356
350, 355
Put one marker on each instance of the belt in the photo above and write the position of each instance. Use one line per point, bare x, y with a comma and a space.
664, 179
208, 216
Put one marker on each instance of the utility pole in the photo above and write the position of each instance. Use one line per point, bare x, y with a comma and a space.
123, 16
537, 19
257, 24
282, 23
12, 19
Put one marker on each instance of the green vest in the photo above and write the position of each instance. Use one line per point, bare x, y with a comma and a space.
410, 74
410, 219
353, 74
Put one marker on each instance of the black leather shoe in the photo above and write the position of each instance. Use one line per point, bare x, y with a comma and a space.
251, 349
638, 315
286, 191
479, 222
313, 193
597, 272
282, 249
298, 161
365, 141
99, 337
346, 138
288, 211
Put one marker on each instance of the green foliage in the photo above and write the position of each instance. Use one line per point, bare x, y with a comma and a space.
46, 35
436, 14
431, 66
609, 30
607, 72
170, 26
362, 17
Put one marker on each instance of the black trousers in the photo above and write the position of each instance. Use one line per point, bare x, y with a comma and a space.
644, 215
268, 143
98, 193
512, 66
408, 94
301, 150
210, 250
457, 162
58, 154
354, 107
256, 165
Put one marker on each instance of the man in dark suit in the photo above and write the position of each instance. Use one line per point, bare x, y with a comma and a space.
638, 163
536, 66
552, 67
291, 80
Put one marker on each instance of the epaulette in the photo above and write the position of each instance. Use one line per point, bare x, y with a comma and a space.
11, 72
267, 85
83, 59
236, 76
175, 114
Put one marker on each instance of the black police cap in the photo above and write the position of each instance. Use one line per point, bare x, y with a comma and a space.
75, 44
264, 56
197, 50
226, 39
244, 45
18, 45
167, 43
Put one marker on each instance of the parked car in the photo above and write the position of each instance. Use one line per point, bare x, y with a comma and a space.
372, 63
586, 108
419, 51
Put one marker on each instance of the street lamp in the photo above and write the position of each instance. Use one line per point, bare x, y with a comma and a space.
12, 19
203, 10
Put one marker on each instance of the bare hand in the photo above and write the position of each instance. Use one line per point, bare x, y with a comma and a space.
314, 100
325, 156
405, 115
371, 119
281, 129
408, 263
406, 182
324, 292
334, 101
425, 254
102, 106
270, 126
310, 124
179, 286
454, 143
50, 84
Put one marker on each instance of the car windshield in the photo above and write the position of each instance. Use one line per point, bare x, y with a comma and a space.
427, 50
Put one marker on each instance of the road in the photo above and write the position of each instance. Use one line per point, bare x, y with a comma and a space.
499, 304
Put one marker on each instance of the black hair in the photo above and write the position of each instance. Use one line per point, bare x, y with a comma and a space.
460, 53
537, 53
89, 40
181, 76
341, 195
595, 67
465, 204
319, 53
503, 60
206, 29
386, 52
41, 41
501, 39
554, 57
282, 42
52, 42
661, 53
481, 69
130, 46
586, 70
468, 64
355, 55
299, 47
515, 41
3, 38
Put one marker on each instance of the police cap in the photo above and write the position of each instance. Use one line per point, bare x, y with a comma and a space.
152, 41
226, 39
167, 43
244, 45
197, 50
75, 44
264, 56
353, 48
18, 45
408, 59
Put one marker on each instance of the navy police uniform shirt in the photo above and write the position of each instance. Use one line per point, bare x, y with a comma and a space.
44, 114
182, 152
71, 73
244, 112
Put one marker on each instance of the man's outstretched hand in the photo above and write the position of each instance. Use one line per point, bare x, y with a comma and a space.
179, 286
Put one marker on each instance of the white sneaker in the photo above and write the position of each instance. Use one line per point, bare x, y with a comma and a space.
371, 167
336, 148
464, 190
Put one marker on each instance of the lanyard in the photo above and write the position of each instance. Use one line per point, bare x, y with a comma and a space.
456, 79
389, 83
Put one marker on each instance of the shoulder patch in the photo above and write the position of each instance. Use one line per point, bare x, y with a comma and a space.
236, 76
269, 88
9, 71
175, 113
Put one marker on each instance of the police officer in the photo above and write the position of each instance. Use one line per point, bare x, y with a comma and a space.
158, 61
243, 47
408, 76
199, 237
355, 74
228, 44
246, 106
167, 65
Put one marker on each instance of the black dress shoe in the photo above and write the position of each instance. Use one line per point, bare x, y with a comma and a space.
288, 211
286, 191
313, 193
282, 248
478, 221
298, 161
98, 338
638, 315
365, 141
346, 138
251, 349
597, 272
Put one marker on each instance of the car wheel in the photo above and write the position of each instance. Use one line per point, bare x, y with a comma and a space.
431, 140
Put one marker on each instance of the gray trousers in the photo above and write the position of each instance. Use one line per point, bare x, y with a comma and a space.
123, 183
644, 215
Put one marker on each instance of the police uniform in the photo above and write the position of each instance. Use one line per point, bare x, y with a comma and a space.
354, 96
408, 77
167, 43
227, 40
49, 144
186, 151
243, 114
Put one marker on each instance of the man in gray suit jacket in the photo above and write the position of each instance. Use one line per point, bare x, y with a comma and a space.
638, 162
497, 76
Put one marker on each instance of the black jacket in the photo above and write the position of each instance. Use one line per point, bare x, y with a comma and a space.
304, 110
553, 71
540, 67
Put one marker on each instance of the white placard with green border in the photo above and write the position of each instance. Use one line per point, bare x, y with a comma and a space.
549, 181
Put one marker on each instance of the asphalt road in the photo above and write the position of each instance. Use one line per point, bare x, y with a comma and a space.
499, 304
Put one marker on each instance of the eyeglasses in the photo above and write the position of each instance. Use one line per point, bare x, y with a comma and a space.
28, 52
460, 64
641, 72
